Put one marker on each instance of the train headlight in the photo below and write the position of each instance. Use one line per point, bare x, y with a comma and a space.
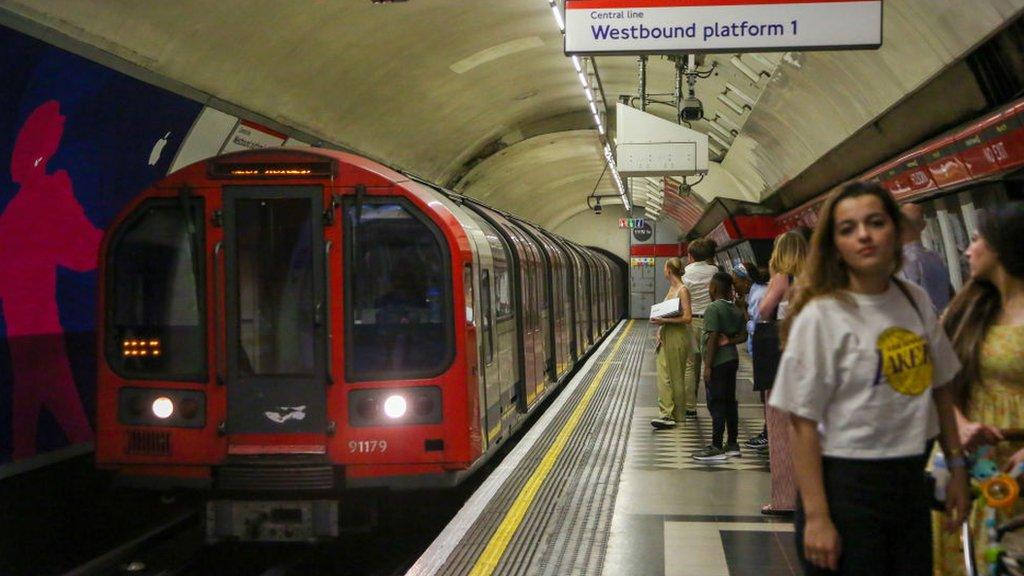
395, 406
163, 407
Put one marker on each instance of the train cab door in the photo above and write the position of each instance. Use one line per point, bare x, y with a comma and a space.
275, 310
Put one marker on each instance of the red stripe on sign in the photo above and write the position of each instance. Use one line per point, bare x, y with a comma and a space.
656, 250
263, 129
616, 4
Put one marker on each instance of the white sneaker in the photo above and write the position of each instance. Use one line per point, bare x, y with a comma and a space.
663, 423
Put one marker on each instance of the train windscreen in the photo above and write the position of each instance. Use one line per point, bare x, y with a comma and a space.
155, 319
398, 293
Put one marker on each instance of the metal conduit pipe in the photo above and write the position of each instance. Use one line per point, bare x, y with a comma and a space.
643, 82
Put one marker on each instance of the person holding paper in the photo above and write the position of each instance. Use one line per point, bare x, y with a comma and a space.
674, 343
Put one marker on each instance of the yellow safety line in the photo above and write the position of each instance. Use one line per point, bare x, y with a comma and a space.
488, 561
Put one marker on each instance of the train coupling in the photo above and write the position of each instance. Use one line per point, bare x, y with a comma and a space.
271, 521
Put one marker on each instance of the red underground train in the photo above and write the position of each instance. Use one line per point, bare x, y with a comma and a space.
281, 327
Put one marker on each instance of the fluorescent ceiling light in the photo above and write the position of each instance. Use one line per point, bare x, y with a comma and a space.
558, 17
732, 105
747, 70
578, 65
739, 94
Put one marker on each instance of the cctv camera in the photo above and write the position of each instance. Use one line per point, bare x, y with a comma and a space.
691, 109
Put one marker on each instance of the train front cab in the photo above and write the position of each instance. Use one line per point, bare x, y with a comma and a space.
278, 335
297, 324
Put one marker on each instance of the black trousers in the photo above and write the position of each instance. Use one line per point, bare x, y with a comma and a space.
881, 510
722, 402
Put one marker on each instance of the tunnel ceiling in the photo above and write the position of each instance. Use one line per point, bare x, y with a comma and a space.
478, 95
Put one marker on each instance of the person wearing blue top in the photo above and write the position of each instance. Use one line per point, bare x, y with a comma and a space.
759, 286
922, 266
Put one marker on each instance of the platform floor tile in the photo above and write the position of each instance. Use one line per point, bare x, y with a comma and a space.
652, 449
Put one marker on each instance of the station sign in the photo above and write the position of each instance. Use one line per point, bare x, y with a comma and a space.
631, 223
643, 232
620, 27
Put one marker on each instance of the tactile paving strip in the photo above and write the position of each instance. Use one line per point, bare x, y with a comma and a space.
565, 529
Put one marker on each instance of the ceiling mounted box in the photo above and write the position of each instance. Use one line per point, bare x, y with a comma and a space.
647, 145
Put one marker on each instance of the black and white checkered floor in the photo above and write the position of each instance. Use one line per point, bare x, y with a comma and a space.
651, 449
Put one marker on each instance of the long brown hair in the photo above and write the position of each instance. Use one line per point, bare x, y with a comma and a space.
825, 273
978, 304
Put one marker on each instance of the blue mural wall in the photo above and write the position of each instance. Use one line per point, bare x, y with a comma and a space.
77, 142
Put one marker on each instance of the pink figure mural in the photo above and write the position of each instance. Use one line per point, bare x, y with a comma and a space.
43, 227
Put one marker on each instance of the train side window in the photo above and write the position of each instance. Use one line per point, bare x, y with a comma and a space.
398, 293
503, 292
485, 310
155, 293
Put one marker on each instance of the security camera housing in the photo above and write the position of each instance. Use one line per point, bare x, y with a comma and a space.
691, 109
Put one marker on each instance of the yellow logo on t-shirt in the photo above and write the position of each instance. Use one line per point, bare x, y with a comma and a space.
905, 361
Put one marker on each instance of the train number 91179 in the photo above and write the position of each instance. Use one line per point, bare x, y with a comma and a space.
367, 446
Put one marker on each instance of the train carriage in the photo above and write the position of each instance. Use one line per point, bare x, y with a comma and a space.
282, 326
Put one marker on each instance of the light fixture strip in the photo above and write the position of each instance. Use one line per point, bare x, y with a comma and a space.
739, 94
723, 131
558, 17
718, 139
725, 121
746, 70
732, 105
592, 96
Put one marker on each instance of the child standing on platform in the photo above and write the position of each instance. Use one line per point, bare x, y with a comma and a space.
723, 329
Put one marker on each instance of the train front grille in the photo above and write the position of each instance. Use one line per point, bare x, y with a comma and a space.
275, 477
146, 443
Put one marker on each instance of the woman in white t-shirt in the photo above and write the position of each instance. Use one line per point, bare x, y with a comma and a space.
865, 360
